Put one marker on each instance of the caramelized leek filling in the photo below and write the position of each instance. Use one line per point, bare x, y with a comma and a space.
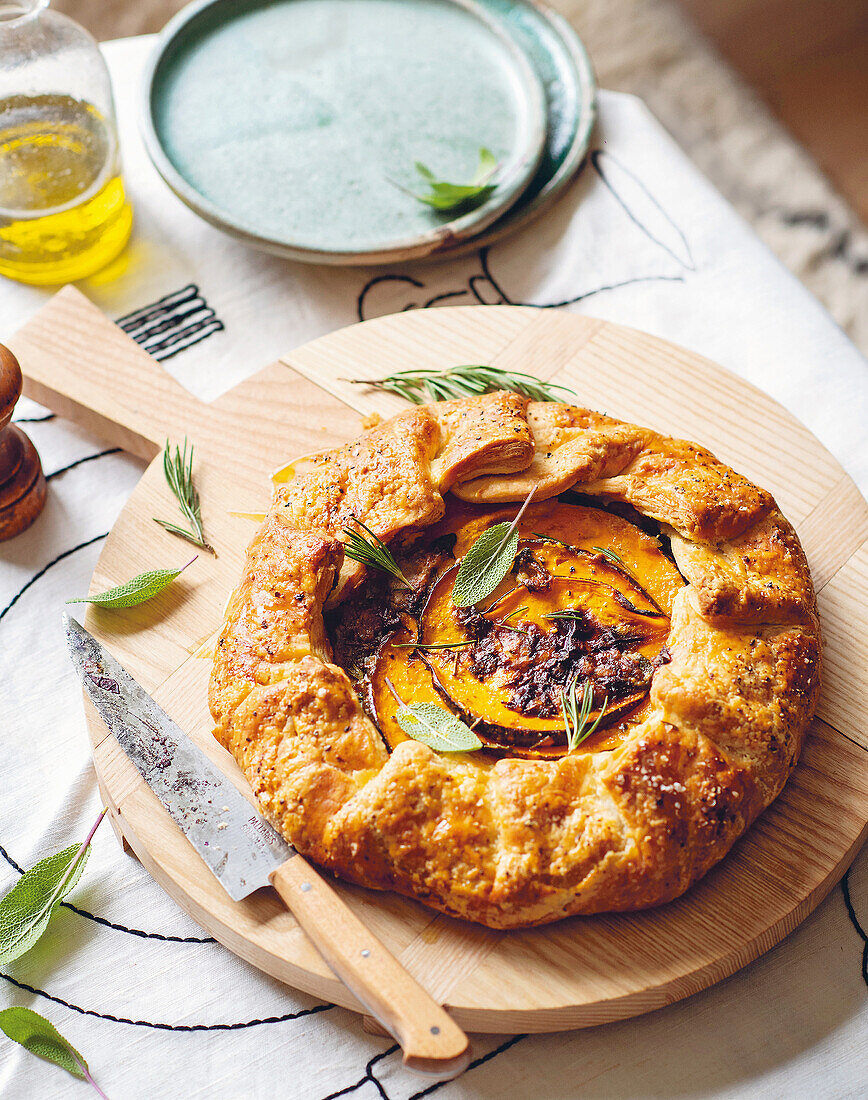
565, 611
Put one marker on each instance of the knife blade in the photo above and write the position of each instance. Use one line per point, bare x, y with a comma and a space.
244, 852
239, 846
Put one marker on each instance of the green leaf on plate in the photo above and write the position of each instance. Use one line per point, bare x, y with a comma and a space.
41, 1038
143, 587
26, 910
437, 728
445, 196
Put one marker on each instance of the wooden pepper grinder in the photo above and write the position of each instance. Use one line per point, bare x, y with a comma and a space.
22, 483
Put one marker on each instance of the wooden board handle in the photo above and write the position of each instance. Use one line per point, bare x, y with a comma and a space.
432, 1042
79, 364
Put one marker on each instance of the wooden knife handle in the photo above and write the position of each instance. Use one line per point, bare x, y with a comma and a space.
432, 1042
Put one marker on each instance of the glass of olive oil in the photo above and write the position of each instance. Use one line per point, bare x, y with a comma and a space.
63, 210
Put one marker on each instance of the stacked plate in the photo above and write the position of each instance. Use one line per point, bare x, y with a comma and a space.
297, 125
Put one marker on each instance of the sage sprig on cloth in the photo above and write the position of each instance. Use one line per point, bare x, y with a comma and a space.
36, 1034
26, 910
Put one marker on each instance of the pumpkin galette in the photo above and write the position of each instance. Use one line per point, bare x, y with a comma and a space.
651, 582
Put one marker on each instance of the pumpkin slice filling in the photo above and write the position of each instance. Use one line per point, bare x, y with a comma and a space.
587, 600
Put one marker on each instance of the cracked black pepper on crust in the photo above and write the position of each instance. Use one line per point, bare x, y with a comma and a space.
509, 841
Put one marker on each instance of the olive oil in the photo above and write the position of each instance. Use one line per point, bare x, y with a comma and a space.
63, 210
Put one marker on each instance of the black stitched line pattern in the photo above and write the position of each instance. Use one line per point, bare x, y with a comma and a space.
239, 1026
34, 419
172, 323
81, 462
110, 924
854, 920
473, 1065
45, 568
367, 1076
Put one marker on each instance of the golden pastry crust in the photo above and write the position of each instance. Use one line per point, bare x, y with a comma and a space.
513, 842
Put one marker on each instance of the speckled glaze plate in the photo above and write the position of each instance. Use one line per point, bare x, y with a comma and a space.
295, 124
564, 67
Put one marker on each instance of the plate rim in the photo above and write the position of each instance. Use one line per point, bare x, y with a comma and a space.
441, 238
519, 216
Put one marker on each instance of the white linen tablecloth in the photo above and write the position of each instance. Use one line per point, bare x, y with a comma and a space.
159, 1009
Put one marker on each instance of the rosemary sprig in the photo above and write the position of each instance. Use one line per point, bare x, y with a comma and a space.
517, 611
178, 468
469, 380
621, 568
566, 613
551, 538
372, 552
432, 645
577, 714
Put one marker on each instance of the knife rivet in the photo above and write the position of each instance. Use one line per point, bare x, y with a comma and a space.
365, 952
305, 886
435, 1030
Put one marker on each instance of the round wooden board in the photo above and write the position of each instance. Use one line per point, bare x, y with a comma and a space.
578, 972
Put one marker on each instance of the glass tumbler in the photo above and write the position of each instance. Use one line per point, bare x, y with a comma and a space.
63, 210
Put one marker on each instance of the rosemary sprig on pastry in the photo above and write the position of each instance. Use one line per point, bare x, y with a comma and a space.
468, 380
372, 551
577, 714
178, 469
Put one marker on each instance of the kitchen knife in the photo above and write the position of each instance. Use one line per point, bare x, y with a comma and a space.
245, 853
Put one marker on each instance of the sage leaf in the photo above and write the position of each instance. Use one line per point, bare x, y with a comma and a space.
485, 565
36, 1034
137, 590
26, 910
445, 196
437, 728
487, 561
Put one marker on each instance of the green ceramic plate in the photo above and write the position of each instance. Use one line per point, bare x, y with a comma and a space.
295, 124
563, 66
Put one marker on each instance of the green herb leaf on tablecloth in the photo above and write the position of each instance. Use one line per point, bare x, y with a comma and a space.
26, 910
36, 1034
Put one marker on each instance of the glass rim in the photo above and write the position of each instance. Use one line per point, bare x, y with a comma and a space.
16, 11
